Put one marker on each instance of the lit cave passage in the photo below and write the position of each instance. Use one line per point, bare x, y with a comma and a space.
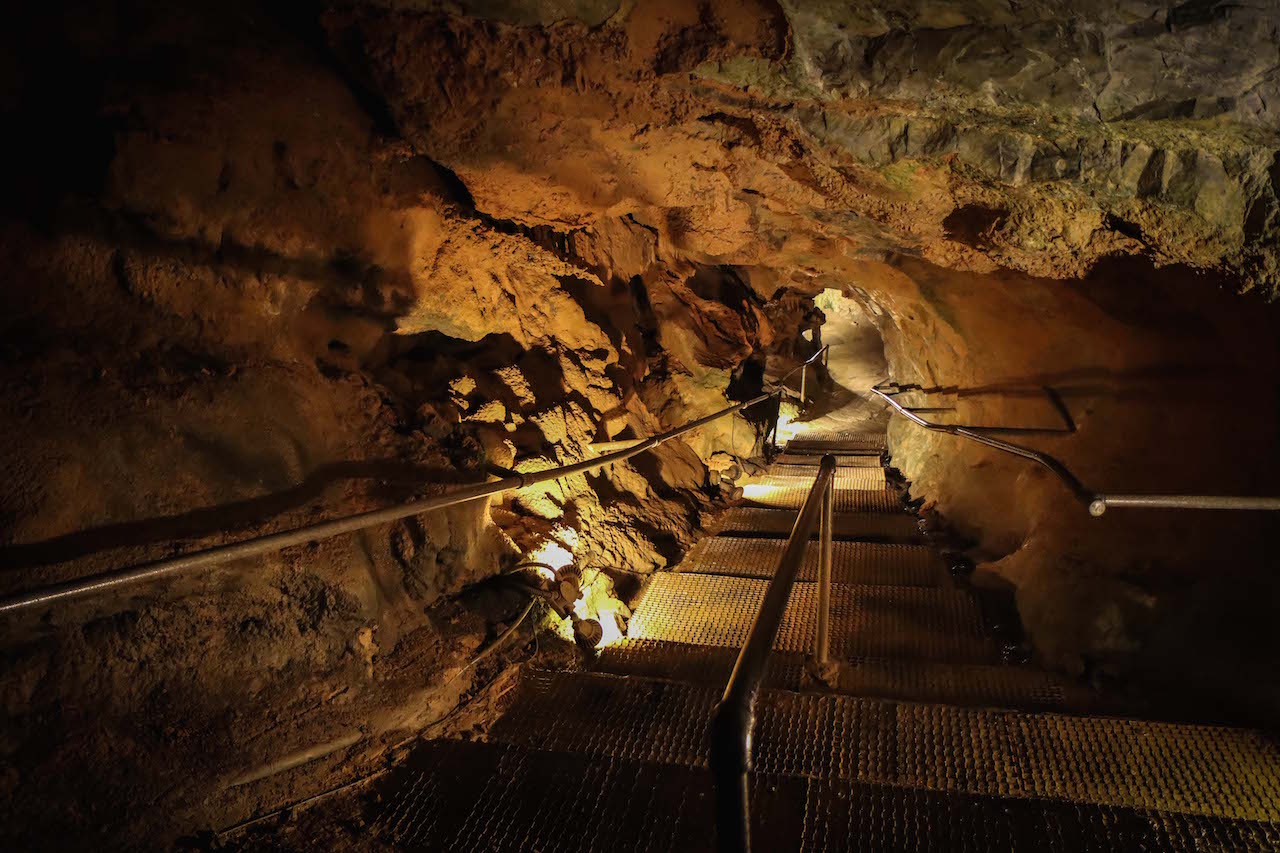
266, 269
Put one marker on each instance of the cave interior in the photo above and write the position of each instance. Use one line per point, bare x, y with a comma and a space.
272, 265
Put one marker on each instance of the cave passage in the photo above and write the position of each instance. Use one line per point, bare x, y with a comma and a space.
856, 363
267, 269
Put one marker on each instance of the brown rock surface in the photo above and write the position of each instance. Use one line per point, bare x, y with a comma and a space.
271, 265
1159, 388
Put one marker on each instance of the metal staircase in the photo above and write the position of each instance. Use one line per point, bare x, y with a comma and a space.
926, 740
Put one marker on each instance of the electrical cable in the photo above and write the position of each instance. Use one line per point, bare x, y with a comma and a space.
499, 641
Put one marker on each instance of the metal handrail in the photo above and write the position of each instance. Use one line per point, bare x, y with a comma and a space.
1096, 502
734, 717
1078, 489
826, 349
220, 554
822, 634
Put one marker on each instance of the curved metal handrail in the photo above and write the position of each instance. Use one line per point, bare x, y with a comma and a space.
1078, 489
802, 365
1096, 502
734, 717
220, 554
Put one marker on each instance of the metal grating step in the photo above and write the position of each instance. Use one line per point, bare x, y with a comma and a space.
843, 816
866, 621
1185, 769
994, 686
706, 665
838, 442
782, 497
895, 526
852, 562
853, 479
540, 801
780, 491
543, 801
440, 781
843, 460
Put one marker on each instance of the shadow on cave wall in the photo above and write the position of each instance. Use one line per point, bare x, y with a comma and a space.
397, 481
354, 285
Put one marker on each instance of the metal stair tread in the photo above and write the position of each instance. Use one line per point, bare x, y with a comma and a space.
425, 797
475, 796
1211, 771
852, 562
846, 459
854, 479
973, 685
866, 620
866, 492
837, 442
865, 526
925, 744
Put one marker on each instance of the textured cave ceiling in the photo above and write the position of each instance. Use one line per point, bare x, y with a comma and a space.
804, 137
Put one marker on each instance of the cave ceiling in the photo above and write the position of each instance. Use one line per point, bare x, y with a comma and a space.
803, 139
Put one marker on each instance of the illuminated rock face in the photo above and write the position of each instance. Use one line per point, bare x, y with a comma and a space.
296, 265
1135, 379
1040, 139
975, 173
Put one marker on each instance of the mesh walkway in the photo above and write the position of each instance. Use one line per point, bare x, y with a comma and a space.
927, 742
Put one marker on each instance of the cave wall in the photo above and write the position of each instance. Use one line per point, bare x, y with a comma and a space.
238, 301
1041, 138
1164, 385
269, 265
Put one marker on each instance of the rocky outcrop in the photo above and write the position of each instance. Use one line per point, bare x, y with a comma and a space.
1041, 139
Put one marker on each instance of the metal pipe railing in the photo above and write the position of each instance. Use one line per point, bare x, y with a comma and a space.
808, 361
269, 543
734, 717
824, 353
1096, 502
1102, 503
822, 636
1077, 488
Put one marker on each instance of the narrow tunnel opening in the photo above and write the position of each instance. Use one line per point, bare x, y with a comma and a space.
855, 363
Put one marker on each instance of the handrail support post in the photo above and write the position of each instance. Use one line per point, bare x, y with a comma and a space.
731, 724
730, 736
822, 644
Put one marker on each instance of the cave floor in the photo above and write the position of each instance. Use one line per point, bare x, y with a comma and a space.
927, 737
855, 362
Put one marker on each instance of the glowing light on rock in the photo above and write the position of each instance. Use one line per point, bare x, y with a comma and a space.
760, 491
598, 603
787, 429
567, 535
606, 615
555, 552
